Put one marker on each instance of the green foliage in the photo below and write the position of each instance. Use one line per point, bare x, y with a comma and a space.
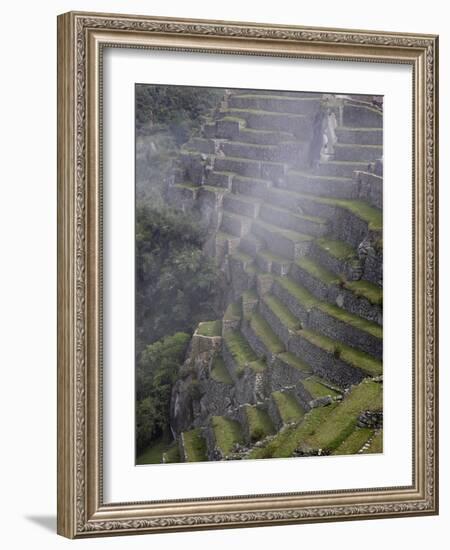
157, 370
180, 108
176, 283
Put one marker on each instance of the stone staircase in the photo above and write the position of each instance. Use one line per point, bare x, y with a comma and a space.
298, 357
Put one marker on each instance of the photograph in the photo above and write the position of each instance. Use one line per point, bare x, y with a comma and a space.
258, 274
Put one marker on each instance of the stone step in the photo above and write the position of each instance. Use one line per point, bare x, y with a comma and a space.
329, 435
252, 187
334, 361
272, 263
225, 434
360, 298
297, 299
340, 168
285, 242
238, 165
242, 205
316, 392
362, 136
251, 244
239, 356
370, 188
263, 137
265, 120
334, 255
279, 103
228, 127
256, 423
285, 408
323, 186
345, 327
220, 179
286, 219
182, 195
235, 224
261, 338
351, 220
200, 145
193, 446
357, 152
225, 243
292, 151
279, 317
358, 115
252, 151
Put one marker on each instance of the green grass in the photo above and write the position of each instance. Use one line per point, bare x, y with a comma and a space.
259, 423
219, 371
233, 312
316, 389
214, 189
285, 442
317, 271
293, 361
317, 177
352, 356
338, 249
154, 452
262, 329
249, 295
227, 432
172, 455
241, 257
229, 118
281, 311
353, 443
271, 257
373, 216
370, 291
194, 446
303, 296
377, 443
353, 320
285, 212
342, 421
288, 407
210, 328
275, 96
238, 346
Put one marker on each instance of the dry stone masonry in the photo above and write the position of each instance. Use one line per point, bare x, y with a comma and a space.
290, 185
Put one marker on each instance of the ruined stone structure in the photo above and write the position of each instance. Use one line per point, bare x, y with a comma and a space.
290, 185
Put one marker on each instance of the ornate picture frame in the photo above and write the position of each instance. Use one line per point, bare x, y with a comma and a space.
82, 39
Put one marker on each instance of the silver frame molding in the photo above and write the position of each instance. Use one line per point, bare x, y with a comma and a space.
81, 38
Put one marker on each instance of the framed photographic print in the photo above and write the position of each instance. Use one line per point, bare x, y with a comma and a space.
247, 284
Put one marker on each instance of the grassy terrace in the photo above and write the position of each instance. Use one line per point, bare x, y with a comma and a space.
275, 96
227, 433
242, 353
222, 236
187, 185
293, 361
349, 355
317, 271
353, 320
233, 312
372, 216
229, 118
262, 329
288, 233
210, 328
287, 212
317, 177
241, 256
281, 311
271, 257
194, 446
316, 389
214, 189
288, 407
353, 443
364, 289
342, 421
301, 294
219, 371
259, 423
285, 442
338, 249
